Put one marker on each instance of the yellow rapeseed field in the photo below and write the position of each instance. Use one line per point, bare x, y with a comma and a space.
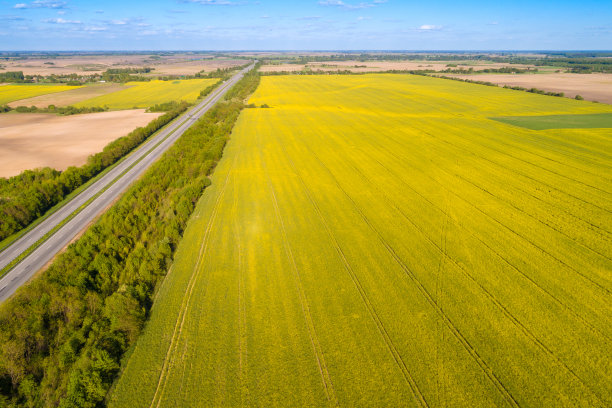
10, 93
377, 240
146, 94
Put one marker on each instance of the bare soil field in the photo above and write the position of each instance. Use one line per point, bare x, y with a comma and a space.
69, 97
592, 87
29, 141
176, 64
373, 66
193, 67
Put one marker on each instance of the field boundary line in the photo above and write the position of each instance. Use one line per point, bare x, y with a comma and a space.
420, 399
312, 333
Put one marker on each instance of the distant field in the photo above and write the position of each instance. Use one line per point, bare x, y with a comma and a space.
593, 87
72, 96
370, 66
29, 141
145, 94
377, 240
596, 120
9, 93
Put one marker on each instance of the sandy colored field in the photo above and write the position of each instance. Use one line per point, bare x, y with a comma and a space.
29, 141
592, 87
69, 97
193, 67
177, 64
372, 66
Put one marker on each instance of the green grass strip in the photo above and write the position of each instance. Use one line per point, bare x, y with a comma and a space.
589, 121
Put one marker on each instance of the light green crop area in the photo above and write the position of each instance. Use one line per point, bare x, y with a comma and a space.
146, 94
376, 240
10, 93
586, 121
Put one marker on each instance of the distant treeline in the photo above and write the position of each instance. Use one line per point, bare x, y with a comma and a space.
116, 75
60, 110
63, 335
308, 71
27, 196
578, 62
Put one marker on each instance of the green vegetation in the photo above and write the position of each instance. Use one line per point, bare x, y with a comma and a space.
78, 318
60, 110
27, 196
377, 240
588, 121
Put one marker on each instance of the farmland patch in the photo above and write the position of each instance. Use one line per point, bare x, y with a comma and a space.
588, 121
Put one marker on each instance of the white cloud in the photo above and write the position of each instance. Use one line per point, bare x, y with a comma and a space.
349, 6
430, 27
95, 28
41, 4
212, 2
61, 21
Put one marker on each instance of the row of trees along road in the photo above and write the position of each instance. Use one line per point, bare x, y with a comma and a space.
63, 335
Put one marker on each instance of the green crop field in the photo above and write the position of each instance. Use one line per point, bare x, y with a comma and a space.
145, 94
10, 93
377, 240
584, 121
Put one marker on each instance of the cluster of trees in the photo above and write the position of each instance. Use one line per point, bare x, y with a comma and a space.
27, 196
62, 336
502, 70
60, 110
12, 76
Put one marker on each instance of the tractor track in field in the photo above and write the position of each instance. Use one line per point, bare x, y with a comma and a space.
442, 250
521, 173
488, 371
180, 322
548, 158
505, 168
312, 333
242, 320
586, 278
420, 399
495, 252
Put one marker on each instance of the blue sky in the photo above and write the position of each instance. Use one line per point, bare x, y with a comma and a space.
305, 25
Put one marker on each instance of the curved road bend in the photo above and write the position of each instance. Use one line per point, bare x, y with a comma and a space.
147, 153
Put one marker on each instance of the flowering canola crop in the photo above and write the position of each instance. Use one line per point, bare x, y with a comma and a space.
377, 240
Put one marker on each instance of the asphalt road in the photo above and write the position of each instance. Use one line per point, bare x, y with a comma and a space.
127, 171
